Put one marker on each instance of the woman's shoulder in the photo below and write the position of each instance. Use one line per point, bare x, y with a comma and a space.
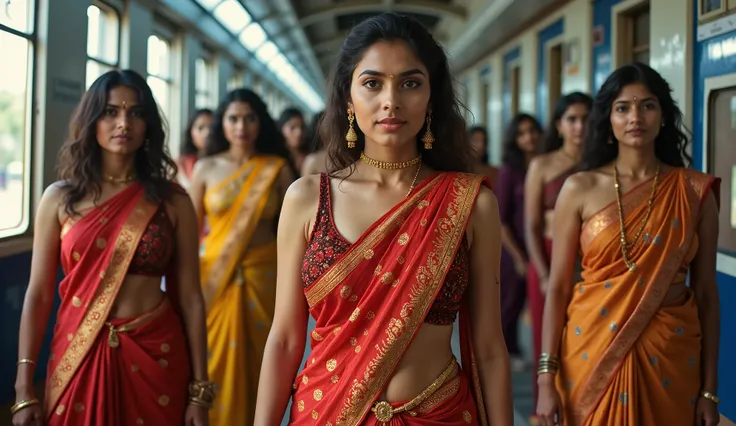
582, 182
303, 190
57, 191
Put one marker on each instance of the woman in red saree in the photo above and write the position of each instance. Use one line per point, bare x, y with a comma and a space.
560, 152
385, 251
123, 352
633, 343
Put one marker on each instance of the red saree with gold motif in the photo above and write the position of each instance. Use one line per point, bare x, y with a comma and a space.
139, 378
371, 302
627, 358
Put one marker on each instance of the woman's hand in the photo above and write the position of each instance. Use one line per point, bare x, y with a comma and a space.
549, 406
706, 413
29, 416
196, 416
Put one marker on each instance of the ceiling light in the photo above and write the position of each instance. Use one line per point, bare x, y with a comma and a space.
232, 16
252, 36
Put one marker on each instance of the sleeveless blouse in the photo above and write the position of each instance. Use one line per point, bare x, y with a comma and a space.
326, 246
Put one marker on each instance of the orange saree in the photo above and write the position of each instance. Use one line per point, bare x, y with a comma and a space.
370, 303
625, 358
139, 374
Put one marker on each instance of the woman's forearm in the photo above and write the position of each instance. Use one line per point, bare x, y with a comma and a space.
196, 332
510, 244
495, 376
710, 318
278, 371
553, 321
33, 321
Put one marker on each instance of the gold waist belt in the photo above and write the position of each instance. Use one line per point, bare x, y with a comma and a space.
384, 411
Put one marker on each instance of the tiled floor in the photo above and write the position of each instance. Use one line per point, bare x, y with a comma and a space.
521, 382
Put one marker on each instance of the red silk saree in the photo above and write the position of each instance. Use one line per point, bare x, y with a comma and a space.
142, 376
370, 304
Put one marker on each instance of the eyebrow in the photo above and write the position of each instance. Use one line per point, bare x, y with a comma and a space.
134, 106
626, 101
403, 74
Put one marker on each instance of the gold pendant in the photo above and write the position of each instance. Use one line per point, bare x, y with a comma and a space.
113, 339
383, 411
632, 267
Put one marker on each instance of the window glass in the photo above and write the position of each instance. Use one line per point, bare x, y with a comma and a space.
15, 137
103, 41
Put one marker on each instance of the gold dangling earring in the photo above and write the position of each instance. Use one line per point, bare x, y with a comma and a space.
351, 137
428, 137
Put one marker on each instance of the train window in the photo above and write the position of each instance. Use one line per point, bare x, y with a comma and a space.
17, 15
103, 40
16, 39
204, 84
160, 76
721, 153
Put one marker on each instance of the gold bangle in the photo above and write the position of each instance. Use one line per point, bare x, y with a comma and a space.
710, 397
26, 361
22, 404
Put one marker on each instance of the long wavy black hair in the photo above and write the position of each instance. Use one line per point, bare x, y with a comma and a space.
188, 147
670, 145
451, 151
551, 141
269, 140
513, 156
80, 158
481, 130
313, 140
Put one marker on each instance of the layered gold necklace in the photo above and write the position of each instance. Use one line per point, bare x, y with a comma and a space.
625, 245
386, 165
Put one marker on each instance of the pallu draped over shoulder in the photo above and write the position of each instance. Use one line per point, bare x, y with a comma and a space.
627, 359
369, 304
115, 372
239, 285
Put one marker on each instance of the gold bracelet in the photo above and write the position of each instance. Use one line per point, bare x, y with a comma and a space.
710, 397
26, 361
22, 404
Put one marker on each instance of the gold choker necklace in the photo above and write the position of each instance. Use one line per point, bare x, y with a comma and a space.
119, 180
389, 165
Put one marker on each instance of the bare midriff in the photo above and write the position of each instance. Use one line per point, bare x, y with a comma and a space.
422, 363
138, 295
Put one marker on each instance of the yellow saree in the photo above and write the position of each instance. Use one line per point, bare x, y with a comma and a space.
627, 359
239, 285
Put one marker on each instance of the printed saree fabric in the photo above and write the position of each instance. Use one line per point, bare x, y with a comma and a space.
239, 285
627, 359
369, 305
141, 375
